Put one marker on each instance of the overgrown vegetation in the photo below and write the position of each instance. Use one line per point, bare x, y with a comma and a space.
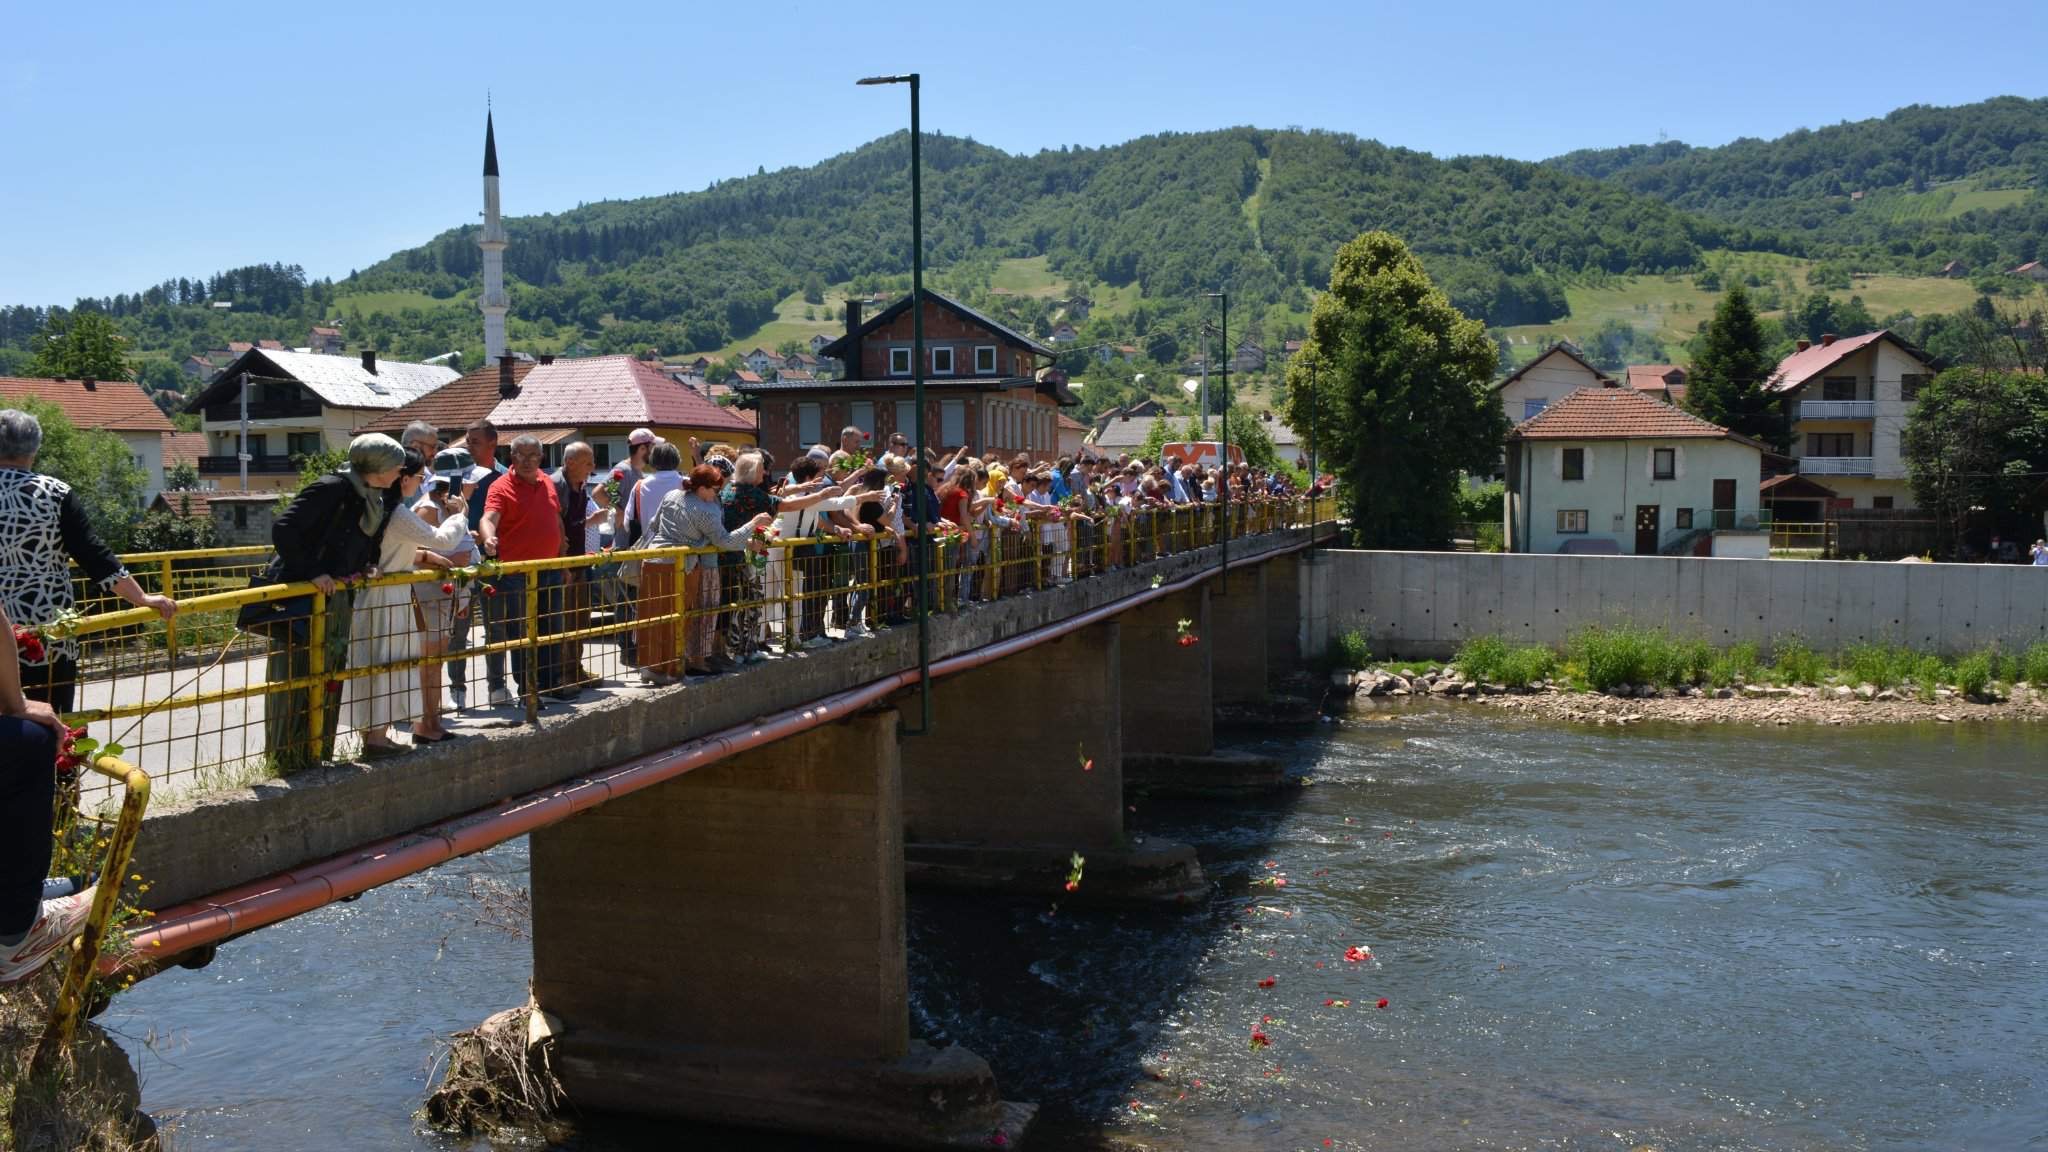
1609, 657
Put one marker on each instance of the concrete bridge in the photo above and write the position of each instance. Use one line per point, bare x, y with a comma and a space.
718, 870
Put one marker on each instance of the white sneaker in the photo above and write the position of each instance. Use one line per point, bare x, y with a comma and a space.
59, 922
459, 697
500, 698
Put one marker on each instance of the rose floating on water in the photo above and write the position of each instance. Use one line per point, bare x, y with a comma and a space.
1260, 1040
1357, 954
1382, 1003
1269, 981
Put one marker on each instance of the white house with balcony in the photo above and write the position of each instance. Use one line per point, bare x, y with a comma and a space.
1611, 471
1846, 401
299, 403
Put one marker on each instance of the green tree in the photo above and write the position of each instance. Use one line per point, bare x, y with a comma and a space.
78, 346
182, 476
160, 531
97, 465
814, 289
1251, 435
1976, 439
1729, 366
1400, 378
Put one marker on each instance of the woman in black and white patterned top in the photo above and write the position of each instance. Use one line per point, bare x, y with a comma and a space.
41, 525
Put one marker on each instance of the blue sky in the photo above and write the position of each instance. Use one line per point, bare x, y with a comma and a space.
147, 141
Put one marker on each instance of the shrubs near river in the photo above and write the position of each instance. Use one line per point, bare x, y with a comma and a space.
1628, 660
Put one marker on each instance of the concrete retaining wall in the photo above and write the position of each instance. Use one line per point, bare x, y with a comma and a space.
1422, 605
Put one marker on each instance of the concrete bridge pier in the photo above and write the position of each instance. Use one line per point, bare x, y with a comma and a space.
1237, 637
728, 946
1022, 769
1170, 692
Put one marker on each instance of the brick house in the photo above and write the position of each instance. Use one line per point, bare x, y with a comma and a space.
986, 386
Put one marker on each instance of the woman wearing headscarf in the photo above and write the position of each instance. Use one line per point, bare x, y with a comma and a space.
42, 525
329, 533
385, 631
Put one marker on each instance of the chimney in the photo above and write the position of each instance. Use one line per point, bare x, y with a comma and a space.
547, 357
1805, 344
854, 369
91, 385
370, 361
1827, 338
508, 388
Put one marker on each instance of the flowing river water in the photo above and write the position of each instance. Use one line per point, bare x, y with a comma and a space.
1727, 938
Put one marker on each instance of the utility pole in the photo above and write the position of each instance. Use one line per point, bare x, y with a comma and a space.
242, 450
1203, 402
1223, 484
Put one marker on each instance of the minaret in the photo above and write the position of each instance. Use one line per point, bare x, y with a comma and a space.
494, 303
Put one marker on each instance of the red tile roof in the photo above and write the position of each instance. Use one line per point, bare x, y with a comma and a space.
237, 347
454, 405
610, 390
116, 405
1617, 414
319, 331
1800, 367
745, 377
183, 448
200, 501
1069, 424
271, 345
1651, 377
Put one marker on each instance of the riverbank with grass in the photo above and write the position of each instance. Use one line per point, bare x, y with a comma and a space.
1628, 675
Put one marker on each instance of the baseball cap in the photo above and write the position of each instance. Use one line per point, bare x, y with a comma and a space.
640, 436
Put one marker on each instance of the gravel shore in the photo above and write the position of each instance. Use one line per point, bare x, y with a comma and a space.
1745, 704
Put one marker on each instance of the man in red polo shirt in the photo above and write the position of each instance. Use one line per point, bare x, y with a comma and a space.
523, 521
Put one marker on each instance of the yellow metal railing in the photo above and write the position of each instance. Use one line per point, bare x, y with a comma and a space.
73, 995
202, 700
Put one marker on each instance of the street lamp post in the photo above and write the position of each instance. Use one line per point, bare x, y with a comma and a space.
920, 558
1223, 483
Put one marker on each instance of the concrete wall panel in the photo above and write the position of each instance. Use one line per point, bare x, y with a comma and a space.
1426, 604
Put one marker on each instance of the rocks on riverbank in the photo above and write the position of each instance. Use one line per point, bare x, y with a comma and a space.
1835, 704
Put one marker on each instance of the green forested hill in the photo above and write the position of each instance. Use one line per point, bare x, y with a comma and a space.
1151, 223
1913, 190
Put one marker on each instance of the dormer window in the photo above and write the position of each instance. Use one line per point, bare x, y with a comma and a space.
942, 361
899, 361
985, 360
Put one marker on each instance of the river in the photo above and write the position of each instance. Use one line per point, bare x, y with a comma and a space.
1725, 939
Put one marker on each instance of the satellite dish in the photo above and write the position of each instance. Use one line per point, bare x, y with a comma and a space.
1191, 386
1138, 379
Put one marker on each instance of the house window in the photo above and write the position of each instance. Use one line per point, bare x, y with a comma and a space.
861, 414
241, 515
899, 361
1663, 463
1531, 407
1571, 521
1830, 443
985, 360
1880, 502
1910, 385
1575, 466
942, 361
1838, 388
952, 423
809, 425
1684, 518
906, 420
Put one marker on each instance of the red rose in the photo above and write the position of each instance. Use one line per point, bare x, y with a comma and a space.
334, 685
490, 589
1382, 1003
447, 587
1268, 982
1073, 885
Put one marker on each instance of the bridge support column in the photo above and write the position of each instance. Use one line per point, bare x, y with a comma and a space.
1167, 704
1237, 636
1022, 769
729, 946
1169, 701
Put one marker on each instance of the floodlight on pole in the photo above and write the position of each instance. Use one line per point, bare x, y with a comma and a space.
1223, 486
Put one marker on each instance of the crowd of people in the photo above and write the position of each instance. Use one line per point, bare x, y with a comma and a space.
857, 524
